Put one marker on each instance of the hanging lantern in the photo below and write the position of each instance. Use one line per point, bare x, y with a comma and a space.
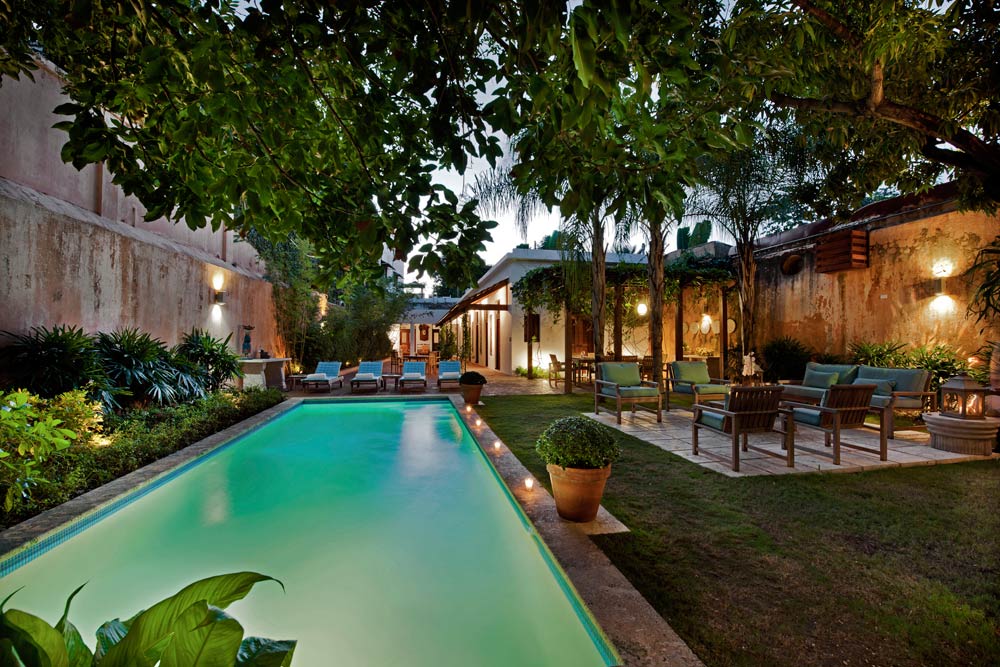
963, 398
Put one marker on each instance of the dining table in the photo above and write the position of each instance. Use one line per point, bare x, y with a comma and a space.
583, 366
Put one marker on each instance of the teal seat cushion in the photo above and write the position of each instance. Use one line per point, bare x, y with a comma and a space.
691, 371
906, 379
713, 420
683, 389
845, 372
807, 416
625, 374
819, 379
631, 392
792, 392
882, 387
712, 389
903, 402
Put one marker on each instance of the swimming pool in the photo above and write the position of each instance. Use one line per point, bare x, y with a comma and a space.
396, 542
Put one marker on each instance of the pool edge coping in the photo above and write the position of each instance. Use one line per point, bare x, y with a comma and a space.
641, 636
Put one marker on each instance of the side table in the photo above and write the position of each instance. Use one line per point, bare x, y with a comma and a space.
395, 380
962, 436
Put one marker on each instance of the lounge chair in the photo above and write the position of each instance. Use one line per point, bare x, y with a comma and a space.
327, 372
414, 373
620, 382
369, 372
449, 371
691, 377
746, 410
844, 406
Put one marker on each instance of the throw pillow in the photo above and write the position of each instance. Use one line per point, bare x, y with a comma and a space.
882, 387
819, 380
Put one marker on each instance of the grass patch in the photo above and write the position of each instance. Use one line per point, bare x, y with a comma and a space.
892, 567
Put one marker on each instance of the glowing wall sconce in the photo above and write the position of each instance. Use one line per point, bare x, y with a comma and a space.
216, 313
218, 280
942, 304
641, 309
942, 268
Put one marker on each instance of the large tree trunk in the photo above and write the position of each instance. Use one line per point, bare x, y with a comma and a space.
656, 296
618, 316
568, 353
597, 267
747, 294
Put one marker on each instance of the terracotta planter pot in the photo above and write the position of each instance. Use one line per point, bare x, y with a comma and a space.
578, 491
471, 392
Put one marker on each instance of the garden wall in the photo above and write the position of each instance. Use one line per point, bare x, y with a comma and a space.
74, 248
898, 297
61, 264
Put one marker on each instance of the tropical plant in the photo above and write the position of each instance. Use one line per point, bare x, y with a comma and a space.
140, 365
785, 358
28, 436
985, 301
218, 363
943, 361
536, 372
829, 358
185, 629
472, 378
577, 442
886, 355
448, 347
52, 361
980, 371
466, 352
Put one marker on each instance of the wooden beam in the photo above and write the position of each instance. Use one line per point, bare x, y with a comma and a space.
488, 306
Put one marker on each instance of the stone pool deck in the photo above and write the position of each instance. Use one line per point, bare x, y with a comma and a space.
909, 448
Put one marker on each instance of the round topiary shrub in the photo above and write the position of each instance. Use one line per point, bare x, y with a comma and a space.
577, 442
472, 377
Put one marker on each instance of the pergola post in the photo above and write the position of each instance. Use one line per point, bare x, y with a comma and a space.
619, 307
679, 326
724, 331
568, 353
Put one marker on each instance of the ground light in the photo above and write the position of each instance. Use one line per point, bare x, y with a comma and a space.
529, 483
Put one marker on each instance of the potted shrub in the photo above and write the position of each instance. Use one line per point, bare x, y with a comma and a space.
471, 383
578, 453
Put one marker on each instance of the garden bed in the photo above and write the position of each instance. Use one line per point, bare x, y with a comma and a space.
892, 567
132, 442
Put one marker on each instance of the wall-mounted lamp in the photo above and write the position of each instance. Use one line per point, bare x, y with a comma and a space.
641, 309
942, 268
218, 281
942, 304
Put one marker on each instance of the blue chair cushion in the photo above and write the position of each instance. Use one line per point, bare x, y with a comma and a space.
631, 392
712, 389
819, 379
906, 379
904, 402
882, 387
845, 372
793, 391
691, 371
807, 416
712, 419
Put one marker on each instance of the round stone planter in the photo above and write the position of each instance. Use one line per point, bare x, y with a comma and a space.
962, 436
578, 491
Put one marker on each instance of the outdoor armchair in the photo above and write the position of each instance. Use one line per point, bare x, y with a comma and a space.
414, 373
691, 377
746, 410
449, 371
327, 372
557, 371
844, 406
621, 383
369, 372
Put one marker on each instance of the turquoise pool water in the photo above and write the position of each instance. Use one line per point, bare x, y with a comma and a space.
395, 541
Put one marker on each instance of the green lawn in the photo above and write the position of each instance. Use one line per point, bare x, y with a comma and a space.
895, 567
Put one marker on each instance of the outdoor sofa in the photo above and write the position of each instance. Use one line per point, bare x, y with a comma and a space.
895, 388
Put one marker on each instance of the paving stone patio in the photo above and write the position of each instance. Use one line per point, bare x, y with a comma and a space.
909, 448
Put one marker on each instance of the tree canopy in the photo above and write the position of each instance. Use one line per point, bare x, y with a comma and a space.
895, 92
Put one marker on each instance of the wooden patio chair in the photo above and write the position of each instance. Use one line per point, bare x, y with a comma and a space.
621, 383
557, 371
844, 406
746, 410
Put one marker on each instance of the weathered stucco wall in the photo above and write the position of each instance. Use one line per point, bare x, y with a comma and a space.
30, 150
897, 298
60, 264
